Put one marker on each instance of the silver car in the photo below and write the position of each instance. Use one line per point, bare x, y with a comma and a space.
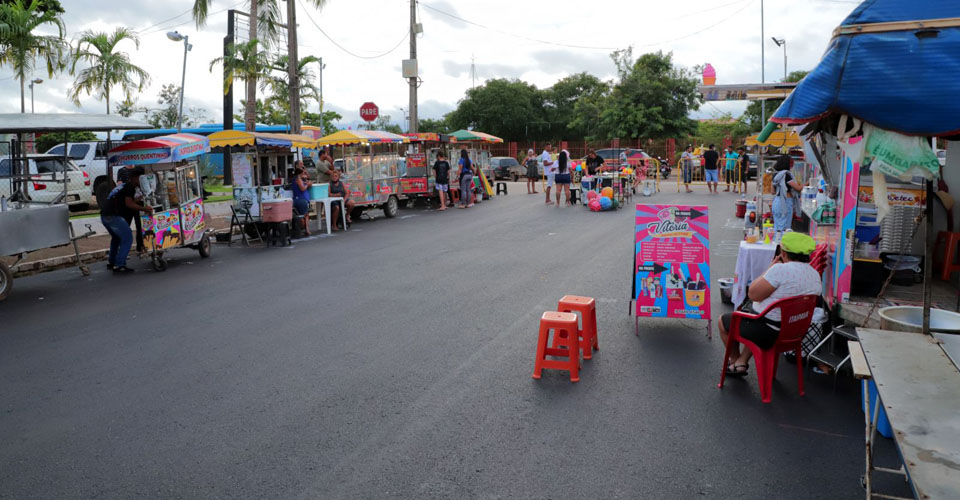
46, 180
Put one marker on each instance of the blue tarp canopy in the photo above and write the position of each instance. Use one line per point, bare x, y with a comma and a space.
892, 63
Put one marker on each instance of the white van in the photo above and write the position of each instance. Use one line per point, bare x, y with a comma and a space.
46, 181
91, 157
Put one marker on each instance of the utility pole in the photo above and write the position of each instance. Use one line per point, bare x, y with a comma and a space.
228, 100
292, 67
473, 73
763, 75
412, 128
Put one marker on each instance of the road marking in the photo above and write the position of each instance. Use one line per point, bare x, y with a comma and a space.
734, 223
408, 216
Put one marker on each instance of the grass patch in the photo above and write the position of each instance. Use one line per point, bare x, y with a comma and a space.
214, 199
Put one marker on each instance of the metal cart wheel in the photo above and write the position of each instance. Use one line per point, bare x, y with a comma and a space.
204, 246
159, 265
391, 208
6, 281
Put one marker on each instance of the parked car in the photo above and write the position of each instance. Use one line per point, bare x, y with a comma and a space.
505, 167
611, 156
46, 180
90, 157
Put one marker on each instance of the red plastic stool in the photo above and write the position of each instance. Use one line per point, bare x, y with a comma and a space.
952, 242
564, 326
587, 332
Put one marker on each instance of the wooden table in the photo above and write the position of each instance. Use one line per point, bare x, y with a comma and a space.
919, 387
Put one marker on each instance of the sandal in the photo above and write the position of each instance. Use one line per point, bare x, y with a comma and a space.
733, 371
122, 270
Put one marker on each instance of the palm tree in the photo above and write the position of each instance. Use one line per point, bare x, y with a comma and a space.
264, 19
280, 85
244, 61
107, 69
20, 47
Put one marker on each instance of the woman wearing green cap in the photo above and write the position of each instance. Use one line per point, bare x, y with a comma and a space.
789, 275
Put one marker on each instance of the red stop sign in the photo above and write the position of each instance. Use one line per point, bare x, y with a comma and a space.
369, 111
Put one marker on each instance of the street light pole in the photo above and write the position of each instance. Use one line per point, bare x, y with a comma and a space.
176, 37
782, 42
322, 132
32, 82
412, 123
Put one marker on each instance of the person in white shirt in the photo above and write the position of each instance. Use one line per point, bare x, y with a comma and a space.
686, 167
789, 275
549, 168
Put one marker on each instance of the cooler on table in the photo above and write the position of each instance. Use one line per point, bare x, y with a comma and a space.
319, 191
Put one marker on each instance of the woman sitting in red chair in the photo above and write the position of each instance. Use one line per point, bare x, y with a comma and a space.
789, 275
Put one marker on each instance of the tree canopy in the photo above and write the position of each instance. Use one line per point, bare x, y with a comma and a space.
751, 116
650, 98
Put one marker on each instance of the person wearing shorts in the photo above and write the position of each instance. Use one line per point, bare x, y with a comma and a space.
710, 168
744, 168
549, 168
562, 177
338, 190
441, 172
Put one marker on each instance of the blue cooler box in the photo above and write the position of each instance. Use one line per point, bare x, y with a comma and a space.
319, 191
883, 425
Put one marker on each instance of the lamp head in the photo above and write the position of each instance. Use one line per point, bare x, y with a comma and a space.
778, 41
38, 81
174, 36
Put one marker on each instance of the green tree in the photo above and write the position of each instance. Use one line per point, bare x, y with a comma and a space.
560, 102
384, 123
44, 6
439, 126
327, 123
268, 113
166, 116
107, 66
21, 46
127, 107
751, 116
280, 84
47, 141
511, 109
715, 130
244, 61
651, 98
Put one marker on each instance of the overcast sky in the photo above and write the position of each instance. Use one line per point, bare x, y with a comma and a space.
538, 41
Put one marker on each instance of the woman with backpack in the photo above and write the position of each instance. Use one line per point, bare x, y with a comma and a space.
562, 179
466, 179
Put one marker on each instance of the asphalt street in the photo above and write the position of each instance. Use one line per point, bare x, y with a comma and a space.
395, 361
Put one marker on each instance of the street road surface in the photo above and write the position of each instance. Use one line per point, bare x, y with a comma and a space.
394, 361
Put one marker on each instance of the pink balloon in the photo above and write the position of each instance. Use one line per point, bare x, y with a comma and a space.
592, 195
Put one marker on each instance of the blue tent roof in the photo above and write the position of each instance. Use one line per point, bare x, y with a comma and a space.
895, 80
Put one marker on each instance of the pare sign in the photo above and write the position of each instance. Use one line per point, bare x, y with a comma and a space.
369, 111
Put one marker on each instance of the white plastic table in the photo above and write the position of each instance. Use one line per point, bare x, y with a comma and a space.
327, 203
753, 259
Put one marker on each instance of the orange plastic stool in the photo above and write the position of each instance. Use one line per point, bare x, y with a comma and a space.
587, 332
952, 242
564, 326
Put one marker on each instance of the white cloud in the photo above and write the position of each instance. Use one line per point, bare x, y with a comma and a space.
728, 39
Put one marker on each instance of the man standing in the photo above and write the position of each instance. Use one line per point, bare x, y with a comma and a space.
549, 168
686, 167
441, 172
730, 170
324, 166
710, 160
744, 168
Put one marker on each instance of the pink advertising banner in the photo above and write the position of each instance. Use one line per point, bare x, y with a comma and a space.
672, 262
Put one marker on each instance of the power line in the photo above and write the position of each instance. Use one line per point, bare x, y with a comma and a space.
341, 47
712, 25
158, 30
164, 21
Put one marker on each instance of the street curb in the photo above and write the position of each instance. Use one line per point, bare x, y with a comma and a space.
40, 266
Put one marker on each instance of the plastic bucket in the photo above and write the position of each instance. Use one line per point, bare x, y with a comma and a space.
741, 208
726, 290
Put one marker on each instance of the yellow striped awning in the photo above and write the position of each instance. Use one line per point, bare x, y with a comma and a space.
243, 138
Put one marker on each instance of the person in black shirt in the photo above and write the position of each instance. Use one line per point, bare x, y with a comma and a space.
441, 171
594, 162
744, 168
123, 176
115, 207
339, 190
710, 159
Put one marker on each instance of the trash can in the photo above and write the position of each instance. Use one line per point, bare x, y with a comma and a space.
726, 290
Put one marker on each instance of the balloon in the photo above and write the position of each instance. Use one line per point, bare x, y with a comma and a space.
579, 168
607, 192
615, 203
606, 203
594, 205
592, 195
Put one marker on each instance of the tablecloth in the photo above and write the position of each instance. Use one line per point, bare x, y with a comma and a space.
753, 259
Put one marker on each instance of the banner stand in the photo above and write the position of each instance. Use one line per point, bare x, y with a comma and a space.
671, 263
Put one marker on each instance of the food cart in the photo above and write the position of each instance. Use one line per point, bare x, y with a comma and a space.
171, 185
371, 168
883, 88
27, 225
477, 145
262, 164
417, 179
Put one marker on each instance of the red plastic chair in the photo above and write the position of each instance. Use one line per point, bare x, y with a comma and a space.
796, 314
